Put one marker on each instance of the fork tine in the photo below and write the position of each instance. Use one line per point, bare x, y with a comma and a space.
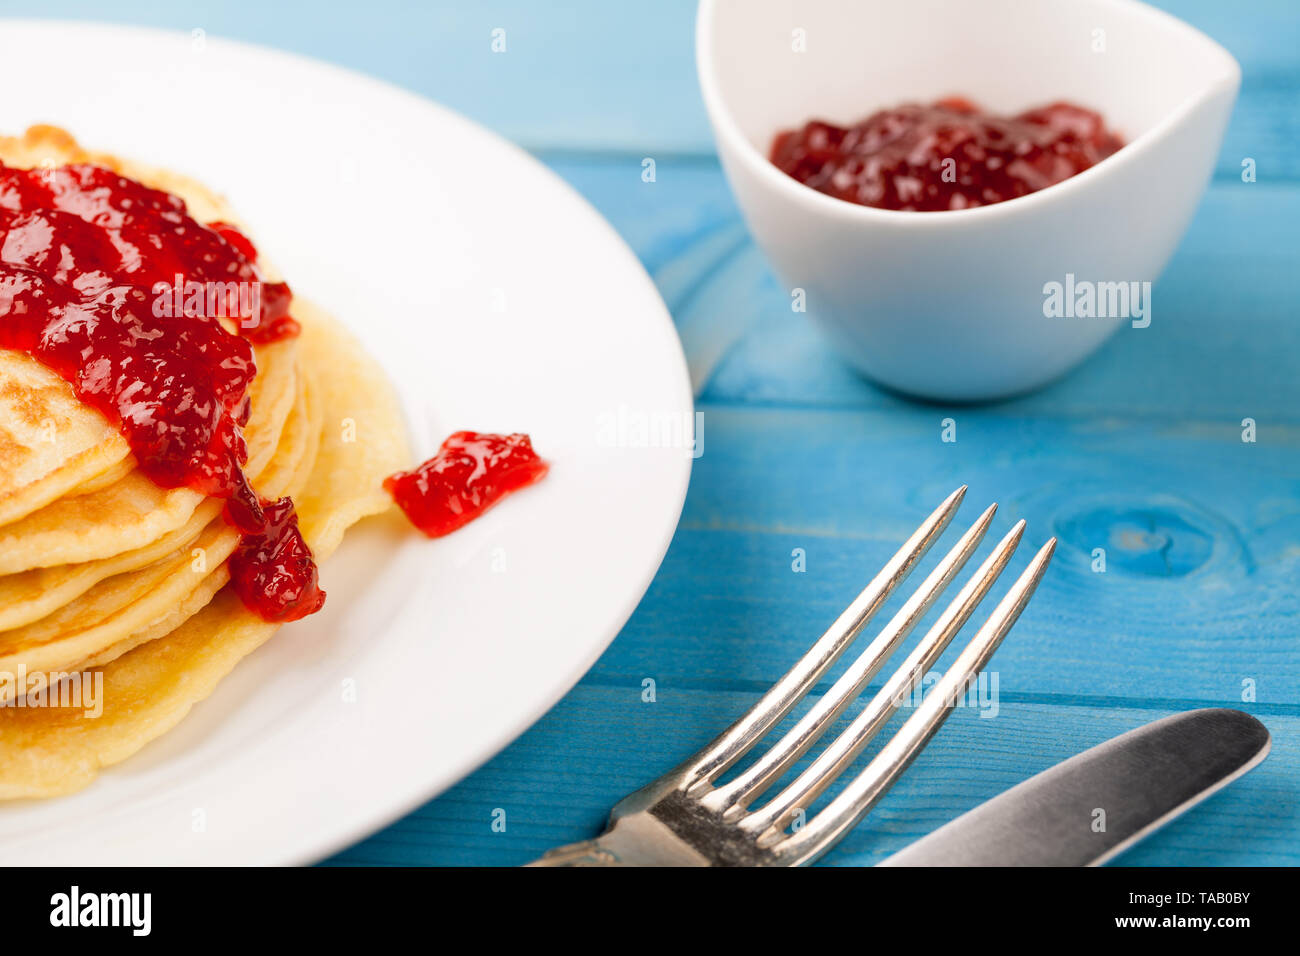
786, 692
843, 813
844, 749
733, 797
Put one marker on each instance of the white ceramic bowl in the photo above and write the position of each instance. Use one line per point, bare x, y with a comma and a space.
950, 305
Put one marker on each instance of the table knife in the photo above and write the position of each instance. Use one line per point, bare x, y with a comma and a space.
1084, 811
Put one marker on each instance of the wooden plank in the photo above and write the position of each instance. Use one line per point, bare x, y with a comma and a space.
1199, 532
557, 783
1224, 311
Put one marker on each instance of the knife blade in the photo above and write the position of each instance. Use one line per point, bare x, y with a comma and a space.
1097, 804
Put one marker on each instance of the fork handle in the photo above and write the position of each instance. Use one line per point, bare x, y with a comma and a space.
582, 853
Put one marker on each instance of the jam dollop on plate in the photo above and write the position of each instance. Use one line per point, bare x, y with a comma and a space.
471, 472
950, 155
149, 315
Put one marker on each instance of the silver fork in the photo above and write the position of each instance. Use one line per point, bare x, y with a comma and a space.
686, 819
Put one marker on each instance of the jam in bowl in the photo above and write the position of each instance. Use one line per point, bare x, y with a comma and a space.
950, 290
946, 156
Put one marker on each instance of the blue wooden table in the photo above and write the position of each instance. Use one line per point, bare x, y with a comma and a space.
1139, 452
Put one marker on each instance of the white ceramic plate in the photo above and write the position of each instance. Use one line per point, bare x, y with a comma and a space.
497, 299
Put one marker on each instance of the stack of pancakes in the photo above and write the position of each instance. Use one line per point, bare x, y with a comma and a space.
102, 572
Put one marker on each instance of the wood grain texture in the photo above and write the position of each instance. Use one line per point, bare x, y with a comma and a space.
603, 736
1224, 315
1138, 451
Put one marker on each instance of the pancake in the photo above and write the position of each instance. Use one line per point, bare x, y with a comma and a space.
46, 751
27, 596
51, 444
30, 595
199, 595
103, 479
49, 441
127, 609
133, 511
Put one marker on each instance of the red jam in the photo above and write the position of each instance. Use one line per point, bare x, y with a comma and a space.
272, 570
946, 156
471, 472
114, 287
